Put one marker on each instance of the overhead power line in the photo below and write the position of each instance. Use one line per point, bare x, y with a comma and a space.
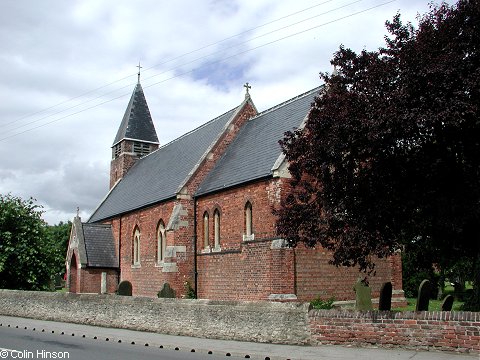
188, 71
158, 65
57, 112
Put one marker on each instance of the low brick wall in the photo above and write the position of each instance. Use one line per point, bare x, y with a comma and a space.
284, 323
451, 331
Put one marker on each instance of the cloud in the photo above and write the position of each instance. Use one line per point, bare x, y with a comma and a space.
67, 70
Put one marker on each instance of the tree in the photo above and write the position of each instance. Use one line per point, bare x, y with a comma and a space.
26, 256
390, 155
59, 236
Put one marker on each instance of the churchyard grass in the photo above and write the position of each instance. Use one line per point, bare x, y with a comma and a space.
434, 305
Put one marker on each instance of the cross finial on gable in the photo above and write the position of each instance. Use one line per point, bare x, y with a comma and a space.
247, 87
139, 67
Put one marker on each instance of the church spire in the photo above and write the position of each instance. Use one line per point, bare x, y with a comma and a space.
137, 123
136, 136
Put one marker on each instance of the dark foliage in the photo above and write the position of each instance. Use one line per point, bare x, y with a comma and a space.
389, 158
124, 288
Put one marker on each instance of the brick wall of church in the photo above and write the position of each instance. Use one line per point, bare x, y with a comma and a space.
148, 277
254, 272
247, 270
91, 280
316, 277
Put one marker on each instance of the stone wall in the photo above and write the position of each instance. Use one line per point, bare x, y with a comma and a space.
441, 330
285, 323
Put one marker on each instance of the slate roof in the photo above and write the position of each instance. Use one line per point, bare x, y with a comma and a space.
99, 246
253, 153
158, 176
137, 122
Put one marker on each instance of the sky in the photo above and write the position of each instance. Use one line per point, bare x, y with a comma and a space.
68, 68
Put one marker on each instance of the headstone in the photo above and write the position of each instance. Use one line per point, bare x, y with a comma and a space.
447, 303
166, 292
423, 297
125, 288
385, 301
363, 296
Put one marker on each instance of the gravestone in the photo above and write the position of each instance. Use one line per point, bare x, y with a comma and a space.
385, 301
363, 296
423, 297
166, 292
124, 288
447, 303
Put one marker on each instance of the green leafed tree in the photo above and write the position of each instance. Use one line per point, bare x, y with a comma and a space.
59, 235
27, 255
389, 158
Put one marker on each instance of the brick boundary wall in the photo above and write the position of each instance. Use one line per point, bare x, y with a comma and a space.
435, 330
258, 321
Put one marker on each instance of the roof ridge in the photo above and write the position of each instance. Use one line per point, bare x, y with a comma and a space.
286, 102
194, 130
97, 225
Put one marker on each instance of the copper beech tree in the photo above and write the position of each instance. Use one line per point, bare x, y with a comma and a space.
389, 157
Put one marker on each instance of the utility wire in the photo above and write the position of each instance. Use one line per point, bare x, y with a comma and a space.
162, 63
192, 70
174, 68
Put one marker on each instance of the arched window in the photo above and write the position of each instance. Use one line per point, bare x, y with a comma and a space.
248, 220
206, 230
161, 242
136, 247
216, 219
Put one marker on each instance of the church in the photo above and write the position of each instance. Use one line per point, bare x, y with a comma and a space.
196, 213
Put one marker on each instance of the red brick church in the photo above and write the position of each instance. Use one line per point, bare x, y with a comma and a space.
199, 210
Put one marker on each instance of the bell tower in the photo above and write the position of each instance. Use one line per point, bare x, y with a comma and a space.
136, 136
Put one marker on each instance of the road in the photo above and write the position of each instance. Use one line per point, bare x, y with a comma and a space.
28, 337
29, 344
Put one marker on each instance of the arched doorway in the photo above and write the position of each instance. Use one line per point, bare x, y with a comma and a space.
72, 281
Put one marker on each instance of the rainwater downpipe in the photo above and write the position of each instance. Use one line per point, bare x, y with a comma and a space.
195, 272
119, 251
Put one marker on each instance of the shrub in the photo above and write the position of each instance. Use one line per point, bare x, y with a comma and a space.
189, 290
318, 303
124, 288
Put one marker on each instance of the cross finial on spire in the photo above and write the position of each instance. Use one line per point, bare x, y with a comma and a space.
247, 87
78, 211
139, 67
